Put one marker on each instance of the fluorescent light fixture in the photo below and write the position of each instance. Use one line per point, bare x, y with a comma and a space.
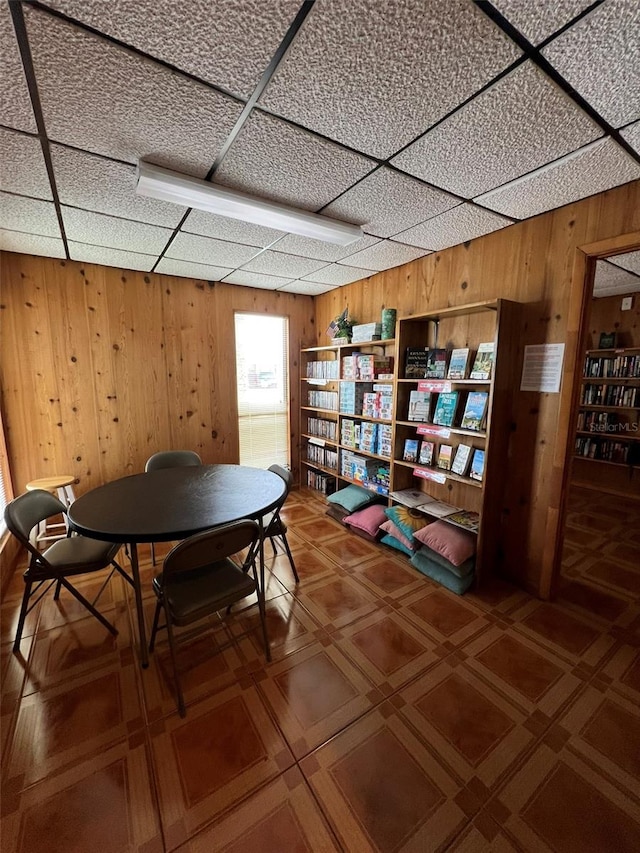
156, 182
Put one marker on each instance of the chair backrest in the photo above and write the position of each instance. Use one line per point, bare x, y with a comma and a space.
172, 459
23, 513
212, 545
286, 475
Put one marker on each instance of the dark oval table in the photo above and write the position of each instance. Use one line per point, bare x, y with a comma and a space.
174, 503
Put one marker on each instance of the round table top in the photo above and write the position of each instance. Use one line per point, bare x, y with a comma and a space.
51, 483
174, 503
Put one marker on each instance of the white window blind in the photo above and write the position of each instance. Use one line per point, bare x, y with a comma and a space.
5, 491
262, 370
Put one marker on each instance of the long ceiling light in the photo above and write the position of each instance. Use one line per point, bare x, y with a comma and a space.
163, 184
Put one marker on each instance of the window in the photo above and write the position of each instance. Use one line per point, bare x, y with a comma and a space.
5, 482
262, 371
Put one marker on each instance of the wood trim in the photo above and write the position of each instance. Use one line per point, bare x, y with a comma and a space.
612, 245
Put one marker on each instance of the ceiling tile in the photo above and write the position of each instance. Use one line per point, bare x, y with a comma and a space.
110, 257
229, 43
610, 280
597, 167
538, 20
453, 227
99, 230
15, 103
254, 279
233, 230
275, 160
599, 58
517, 125
374, 75
337, 275
93, 183
307, 288
386, 202
31, 244
30, 215
632, 135
204, 250
112, 102
190, 269
22, 168
307, 247
385, 255
628, 261
288, 266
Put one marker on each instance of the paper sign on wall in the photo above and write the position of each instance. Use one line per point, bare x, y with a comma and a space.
542, 368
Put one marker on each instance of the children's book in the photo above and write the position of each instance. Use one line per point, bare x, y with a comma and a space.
465, 518
410, 450
419, 406
415, 362
446, 408
440, 509
461, 459
483, 364
458, 363
426, 453
437, 364
475, 410
477, 465
444, 457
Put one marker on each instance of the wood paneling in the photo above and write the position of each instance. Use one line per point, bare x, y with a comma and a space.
534, 262
102, 367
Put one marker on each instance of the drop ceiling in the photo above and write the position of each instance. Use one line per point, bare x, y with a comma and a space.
429, 123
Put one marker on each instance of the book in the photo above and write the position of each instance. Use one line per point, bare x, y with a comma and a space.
415, 362
445, 410
483, 364
411, 497
475, 410
477, 465
419, 406
465, 518
607, 340
437, 364
440, 509
426, 453
458, 363
461, 460
410, 453
445, 453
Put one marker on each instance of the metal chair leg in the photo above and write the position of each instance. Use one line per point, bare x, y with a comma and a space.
23, 615
181, 708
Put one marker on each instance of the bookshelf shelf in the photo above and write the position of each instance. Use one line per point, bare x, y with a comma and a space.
331, 471
448, 475
437, 429
314, 439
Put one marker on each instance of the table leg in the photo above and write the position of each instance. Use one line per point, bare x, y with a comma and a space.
135, 571
262, 601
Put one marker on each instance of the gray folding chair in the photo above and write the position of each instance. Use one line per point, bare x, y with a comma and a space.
170, 459
273, 525
199, 578
75, 555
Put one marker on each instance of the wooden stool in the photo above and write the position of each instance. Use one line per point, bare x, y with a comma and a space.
62, 485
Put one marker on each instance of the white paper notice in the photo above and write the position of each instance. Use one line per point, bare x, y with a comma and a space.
542, 367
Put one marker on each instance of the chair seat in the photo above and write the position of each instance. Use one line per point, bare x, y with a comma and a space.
273, 525
192, 596
79, 554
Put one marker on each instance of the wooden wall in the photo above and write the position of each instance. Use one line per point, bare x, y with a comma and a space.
100, 368
531, 262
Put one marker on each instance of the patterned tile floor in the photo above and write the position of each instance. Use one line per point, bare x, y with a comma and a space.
394, 716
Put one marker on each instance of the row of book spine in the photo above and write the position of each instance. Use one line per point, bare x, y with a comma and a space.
324, 456
323, 369
324, 400
321, 482
607, 449
322, 428
591, 420
370, 437
612, 365
610, 395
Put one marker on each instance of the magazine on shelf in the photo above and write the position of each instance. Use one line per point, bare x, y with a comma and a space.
411, 497
419, 406
477, 465
410, 453
475, 410
458, 363
461, 460
440, 509
483, 364
437, 364
445, 452
445, 410
426, 453
465, 518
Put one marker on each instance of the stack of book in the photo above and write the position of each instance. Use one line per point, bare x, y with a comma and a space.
366, 332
